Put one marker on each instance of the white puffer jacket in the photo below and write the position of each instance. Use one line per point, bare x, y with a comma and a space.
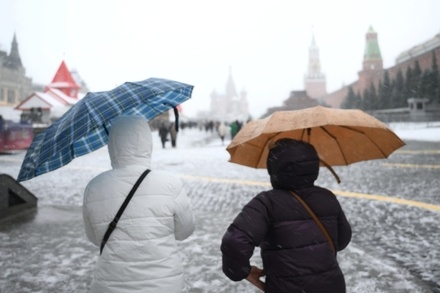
141, 254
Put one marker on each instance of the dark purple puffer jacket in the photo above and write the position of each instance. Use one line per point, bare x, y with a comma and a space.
296, 255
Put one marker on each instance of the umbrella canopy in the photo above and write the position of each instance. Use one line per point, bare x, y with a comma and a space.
84, 128
341, 137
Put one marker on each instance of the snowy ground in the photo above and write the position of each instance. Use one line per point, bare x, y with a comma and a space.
424, 131
394, 248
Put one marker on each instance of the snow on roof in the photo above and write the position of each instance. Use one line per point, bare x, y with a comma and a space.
40, 99
54, 99
418, 50
59, 94
60, 84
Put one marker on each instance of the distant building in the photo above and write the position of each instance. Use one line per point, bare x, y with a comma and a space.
314, 86
314, 80
61, 94
372, 66
64, 82
297, 100
229, 106
83, 88
372, 71
422, 53
36, 102
14, 85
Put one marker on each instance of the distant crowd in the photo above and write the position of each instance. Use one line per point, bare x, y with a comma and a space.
168, 132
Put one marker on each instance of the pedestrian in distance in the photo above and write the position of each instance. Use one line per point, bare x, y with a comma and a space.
141, 254
235, 127
221, 130
164, 129
297, 254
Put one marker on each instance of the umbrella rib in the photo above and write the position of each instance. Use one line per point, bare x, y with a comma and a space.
302, 134
260, 156
335, 139
366, 135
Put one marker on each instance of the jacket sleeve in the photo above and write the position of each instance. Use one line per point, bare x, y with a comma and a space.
184, 221
243, 235
344, 231
88, 226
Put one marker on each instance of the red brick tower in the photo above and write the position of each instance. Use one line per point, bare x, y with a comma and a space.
372, 66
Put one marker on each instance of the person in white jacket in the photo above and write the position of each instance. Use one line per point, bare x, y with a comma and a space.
221, 129
141, 254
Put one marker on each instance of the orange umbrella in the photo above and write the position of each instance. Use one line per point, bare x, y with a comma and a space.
341, 137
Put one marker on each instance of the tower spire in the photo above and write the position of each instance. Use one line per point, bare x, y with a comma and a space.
372, 65
13, 60
372, 56
230, 85
314, 80
64, 81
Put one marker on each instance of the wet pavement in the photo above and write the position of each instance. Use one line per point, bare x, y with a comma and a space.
395, 246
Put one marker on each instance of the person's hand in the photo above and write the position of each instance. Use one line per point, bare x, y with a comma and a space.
254, 277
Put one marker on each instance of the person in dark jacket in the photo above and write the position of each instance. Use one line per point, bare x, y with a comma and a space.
164, 129
296, 255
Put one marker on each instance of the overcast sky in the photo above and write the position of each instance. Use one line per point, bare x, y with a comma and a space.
265, 43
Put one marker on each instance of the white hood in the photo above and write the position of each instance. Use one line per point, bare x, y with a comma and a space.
130, 142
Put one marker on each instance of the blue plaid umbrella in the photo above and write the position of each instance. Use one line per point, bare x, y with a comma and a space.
84, 128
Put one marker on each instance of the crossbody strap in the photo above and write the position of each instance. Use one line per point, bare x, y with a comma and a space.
318, 222
113, 223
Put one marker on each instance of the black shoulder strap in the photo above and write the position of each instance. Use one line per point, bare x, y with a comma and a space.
113, 223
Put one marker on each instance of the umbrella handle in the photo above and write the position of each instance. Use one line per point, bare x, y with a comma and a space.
331, 170
176, 122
